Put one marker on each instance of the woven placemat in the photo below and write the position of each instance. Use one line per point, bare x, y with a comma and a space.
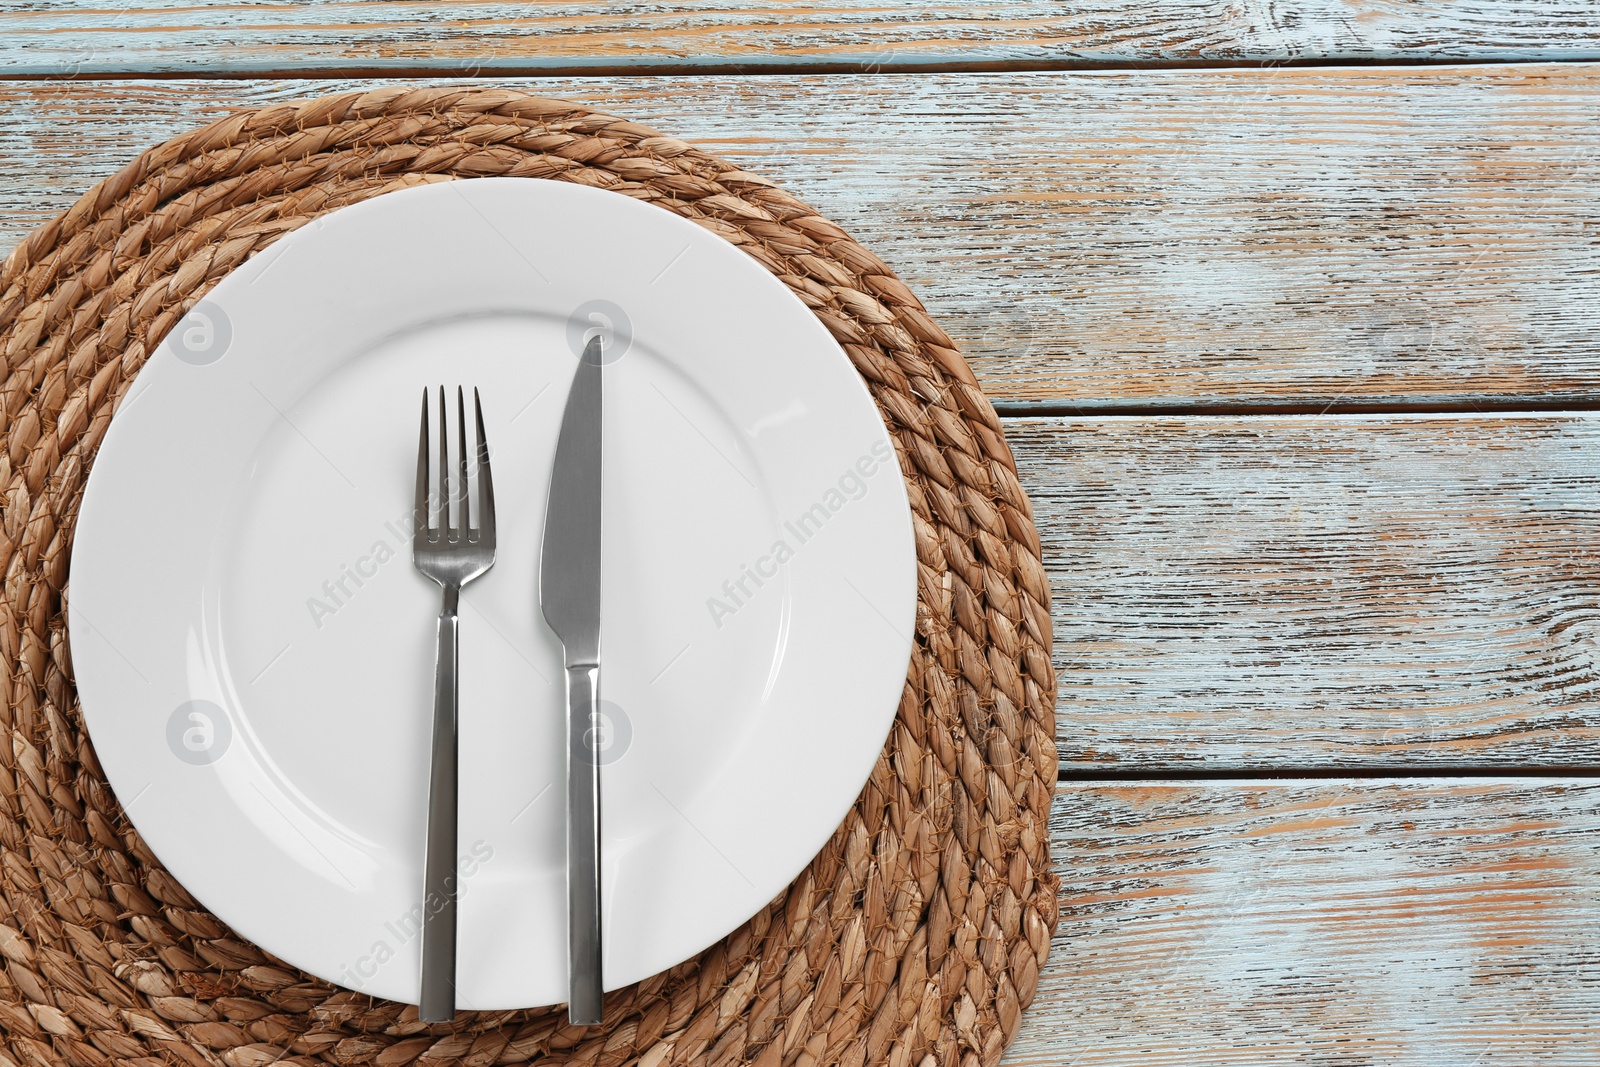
916, 937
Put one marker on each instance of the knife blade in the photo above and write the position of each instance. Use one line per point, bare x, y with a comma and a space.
569, 596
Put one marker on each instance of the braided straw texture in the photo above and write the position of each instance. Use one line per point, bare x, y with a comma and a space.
914, 938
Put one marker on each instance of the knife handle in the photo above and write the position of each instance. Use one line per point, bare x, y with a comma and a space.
439, 873
583, 845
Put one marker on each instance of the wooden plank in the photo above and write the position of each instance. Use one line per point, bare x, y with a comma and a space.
1340, 922
152, 35
1321, 591
1112, 240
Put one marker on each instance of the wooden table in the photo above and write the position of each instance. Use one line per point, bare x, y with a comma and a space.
1294, 314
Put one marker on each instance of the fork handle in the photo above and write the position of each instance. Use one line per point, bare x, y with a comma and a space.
439, 874
583, 845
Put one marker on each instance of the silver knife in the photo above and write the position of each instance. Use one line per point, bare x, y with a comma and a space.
569, 595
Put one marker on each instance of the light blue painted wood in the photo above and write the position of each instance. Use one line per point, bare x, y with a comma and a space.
388, 37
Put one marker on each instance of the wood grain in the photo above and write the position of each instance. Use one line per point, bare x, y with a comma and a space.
1407, 924
1113, 240
145, 36
1321, 591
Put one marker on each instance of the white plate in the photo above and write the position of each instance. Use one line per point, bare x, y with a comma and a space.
254, 650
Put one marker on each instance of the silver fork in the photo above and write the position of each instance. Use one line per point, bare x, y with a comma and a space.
452, 554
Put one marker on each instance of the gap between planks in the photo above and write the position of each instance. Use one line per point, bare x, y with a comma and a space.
751, 67
1420, 406
1069, 773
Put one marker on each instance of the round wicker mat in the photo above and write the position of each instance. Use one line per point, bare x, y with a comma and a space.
916, 937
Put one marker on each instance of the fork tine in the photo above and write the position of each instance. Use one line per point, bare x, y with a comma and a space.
444, 469
485, 477
419, 514
463, 509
